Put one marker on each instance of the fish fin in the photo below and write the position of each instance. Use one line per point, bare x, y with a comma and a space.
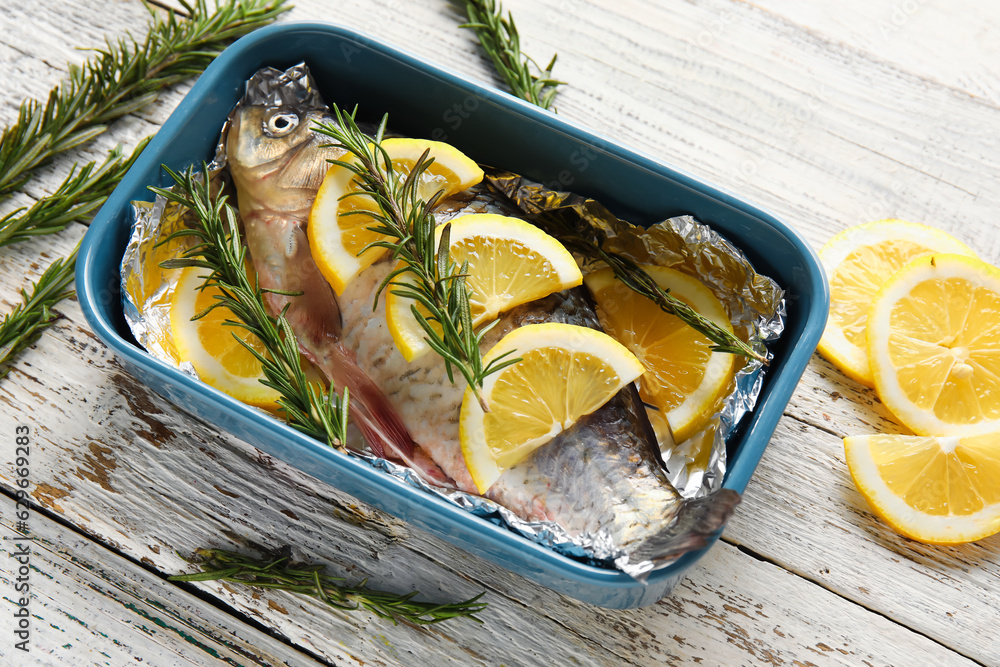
693, 527
370, 410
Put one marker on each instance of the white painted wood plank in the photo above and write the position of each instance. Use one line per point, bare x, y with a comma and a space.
88, 606
956, 42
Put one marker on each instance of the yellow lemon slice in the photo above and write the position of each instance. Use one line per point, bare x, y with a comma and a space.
208, 344
934, 345
684, 378
940, 490
858, 261
565, 373
511, 262
338, 226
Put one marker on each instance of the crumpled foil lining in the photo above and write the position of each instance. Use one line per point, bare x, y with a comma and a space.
147, 287
754, 302
696, 467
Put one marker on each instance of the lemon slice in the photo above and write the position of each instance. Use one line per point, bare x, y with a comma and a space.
684, 378
858, 261
565, 372
940, 490
511, 262
337, 240
208, 344
934, 345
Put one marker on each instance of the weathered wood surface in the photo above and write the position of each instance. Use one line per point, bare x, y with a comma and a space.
798, 106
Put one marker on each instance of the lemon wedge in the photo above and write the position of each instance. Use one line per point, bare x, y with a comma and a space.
510, 262
219, 359
684, 378
934, 345
565, 372
940, 490
338, 223
858, 261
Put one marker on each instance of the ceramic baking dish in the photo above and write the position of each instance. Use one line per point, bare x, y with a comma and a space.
494, 128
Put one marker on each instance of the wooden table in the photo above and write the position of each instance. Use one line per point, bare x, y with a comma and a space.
829, 114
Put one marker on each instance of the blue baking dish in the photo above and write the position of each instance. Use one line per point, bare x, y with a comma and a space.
496, 129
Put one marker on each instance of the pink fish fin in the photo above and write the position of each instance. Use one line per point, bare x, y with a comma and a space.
695, 522
370, 410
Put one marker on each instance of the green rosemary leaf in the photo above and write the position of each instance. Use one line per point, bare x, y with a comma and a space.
499, 39
122, 77
277, 572
20, 327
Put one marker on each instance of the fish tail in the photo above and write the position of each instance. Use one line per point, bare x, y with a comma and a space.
694, 524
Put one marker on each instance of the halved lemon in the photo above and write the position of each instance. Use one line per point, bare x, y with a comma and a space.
219, 359
565, 372
684, 378
338, 223
511, 262
934, 345
858, 261
940, 490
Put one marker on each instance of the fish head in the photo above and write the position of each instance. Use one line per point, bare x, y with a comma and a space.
274, 154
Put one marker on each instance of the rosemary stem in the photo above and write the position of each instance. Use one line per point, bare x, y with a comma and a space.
20, 327
276, 571
307, 406
499, 39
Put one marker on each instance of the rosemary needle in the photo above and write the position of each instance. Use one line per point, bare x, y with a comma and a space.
122, 78
502, 44
308, 407
279, 572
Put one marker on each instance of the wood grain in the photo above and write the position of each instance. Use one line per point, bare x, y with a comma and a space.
796, 106
90, 606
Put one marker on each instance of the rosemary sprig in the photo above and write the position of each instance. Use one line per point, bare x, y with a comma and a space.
589, 242
308, 407
121, 78
499, 39
279, 572
82, 192
427, 276
21, 326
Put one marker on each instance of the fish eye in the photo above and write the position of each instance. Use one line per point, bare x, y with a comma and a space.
281, 124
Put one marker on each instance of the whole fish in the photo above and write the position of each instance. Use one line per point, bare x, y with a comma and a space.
602, 476
278, 163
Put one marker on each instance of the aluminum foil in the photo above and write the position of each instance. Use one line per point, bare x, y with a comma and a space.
754, 302
146, 286
696, 466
